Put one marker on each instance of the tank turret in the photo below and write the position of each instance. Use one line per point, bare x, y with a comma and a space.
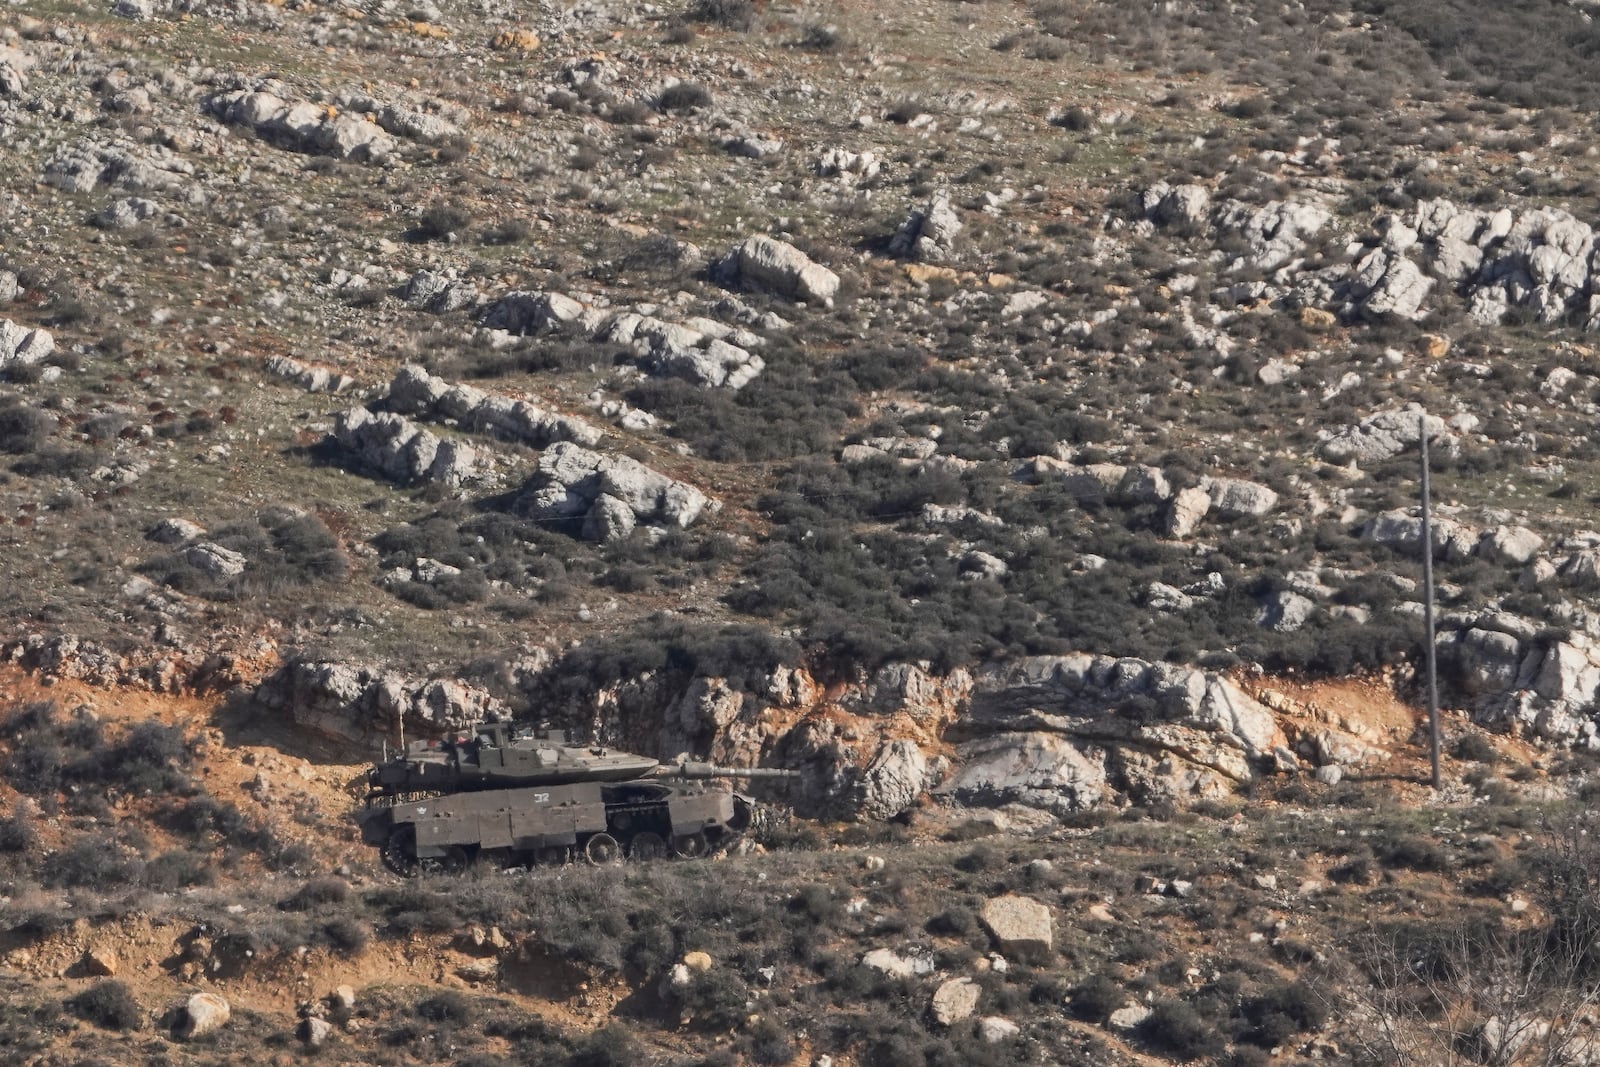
518, 796
495, 756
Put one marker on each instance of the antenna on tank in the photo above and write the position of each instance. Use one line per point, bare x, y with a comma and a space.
1427, 609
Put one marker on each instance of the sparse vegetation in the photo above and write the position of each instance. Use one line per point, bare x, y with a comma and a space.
1111, 288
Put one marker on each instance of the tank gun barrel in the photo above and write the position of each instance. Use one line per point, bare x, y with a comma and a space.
693, 771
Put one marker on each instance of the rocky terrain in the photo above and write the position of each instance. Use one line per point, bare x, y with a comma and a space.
1005, 414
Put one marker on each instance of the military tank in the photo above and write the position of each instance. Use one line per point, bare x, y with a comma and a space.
513, 796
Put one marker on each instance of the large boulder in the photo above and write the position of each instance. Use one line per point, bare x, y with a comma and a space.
768, 263
1038, 769
401, 451
1380, 436
417, 393
928, 233
300, 125
1235, 497
894, 780
23, 345
1185, 510
201, 1014
1019, 926
570, 480
954, 1000
350, 703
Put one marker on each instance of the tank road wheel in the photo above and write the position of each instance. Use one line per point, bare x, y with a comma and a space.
455, 860
400, 851
551, 856
647, 846
690, 846
602, 849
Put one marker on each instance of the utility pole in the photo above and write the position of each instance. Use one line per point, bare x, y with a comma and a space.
1427, 606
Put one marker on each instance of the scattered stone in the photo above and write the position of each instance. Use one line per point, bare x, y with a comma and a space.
1186, 206
529, 312
398, 449
1018, 925
1044, 770
1236, 497
571, 482
417, 393
175, 531
929, 233
954, 1000
438, 292
891, 963
202, 1014
351, 703
698, 962
311, 379
100, 961
417, 125
19, 344
215, 561
1184, 512
1316, 319
1129, 1018
515, 41
479, 971
994, 1030
1379, 437
1286, 611
767, 263
897, 775
315, 1032
125, 214
300, 125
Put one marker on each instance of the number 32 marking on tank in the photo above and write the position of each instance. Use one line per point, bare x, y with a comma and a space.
541, 798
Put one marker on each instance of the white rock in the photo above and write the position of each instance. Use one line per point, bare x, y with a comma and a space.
993, 1029
780, 266
955, 1000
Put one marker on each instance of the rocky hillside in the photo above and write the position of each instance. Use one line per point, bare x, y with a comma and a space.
979, 407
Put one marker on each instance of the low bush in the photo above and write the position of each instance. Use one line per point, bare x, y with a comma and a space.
1096, 997
17, 833
684, 96
23, 429
317, 893
109, 1005
611, 1046
447, 1007
729, 14
439, 221
1177, 1028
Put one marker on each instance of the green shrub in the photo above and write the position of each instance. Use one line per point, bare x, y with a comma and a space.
346, 934
770, 1045
729, 14
109, 1004
23, 429
611, 1046
1175, 1027
439, 220
17, 833
1096, 997
684, 96
447, 1007
1279, 1013
1415, 853
953, 922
